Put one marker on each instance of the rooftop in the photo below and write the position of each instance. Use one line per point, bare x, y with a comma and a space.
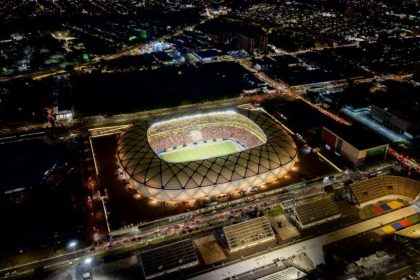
357, 135
168, 258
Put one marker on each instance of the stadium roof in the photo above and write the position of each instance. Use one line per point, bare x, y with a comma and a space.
168, 258
206, 54
143, 166
357, 136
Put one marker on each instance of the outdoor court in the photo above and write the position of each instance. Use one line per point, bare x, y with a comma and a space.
201, 151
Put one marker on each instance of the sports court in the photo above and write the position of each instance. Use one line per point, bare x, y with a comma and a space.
201, 151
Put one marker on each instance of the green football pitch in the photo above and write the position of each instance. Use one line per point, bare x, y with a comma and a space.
201, 151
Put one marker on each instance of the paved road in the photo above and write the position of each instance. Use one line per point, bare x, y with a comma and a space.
312, 247
85, 123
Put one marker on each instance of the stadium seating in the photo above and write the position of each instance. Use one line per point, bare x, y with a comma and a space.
248, 233
375, 189
316, 211
166, 135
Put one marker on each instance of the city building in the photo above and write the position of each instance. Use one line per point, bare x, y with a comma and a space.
405, 122
207, 55
250, 42
353, 144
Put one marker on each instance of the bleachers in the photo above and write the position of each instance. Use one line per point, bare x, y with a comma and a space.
375, 189
248, 233
176, 133
171, 140
316, 211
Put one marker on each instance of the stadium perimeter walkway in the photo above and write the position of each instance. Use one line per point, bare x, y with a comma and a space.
312, 247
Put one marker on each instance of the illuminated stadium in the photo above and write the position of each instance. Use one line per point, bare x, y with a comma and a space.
207, 154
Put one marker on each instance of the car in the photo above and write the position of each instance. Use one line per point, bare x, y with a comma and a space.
87, 276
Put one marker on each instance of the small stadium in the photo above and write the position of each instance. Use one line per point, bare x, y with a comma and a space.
204, 154
385, 193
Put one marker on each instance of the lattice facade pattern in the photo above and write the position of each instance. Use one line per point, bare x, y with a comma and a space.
181, 181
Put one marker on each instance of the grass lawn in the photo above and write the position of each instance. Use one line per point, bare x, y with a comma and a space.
201, 151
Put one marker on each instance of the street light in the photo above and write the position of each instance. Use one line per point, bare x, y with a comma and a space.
73, 245
88, 260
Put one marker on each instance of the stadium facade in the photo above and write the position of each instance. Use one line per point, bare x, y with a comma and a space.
264, 153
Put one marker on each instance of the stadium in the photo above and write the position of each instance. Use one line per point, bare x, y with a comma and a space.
385, 187
205, 154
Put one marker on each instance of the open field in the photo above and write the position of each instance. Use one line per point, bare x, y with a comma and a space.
201, 151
